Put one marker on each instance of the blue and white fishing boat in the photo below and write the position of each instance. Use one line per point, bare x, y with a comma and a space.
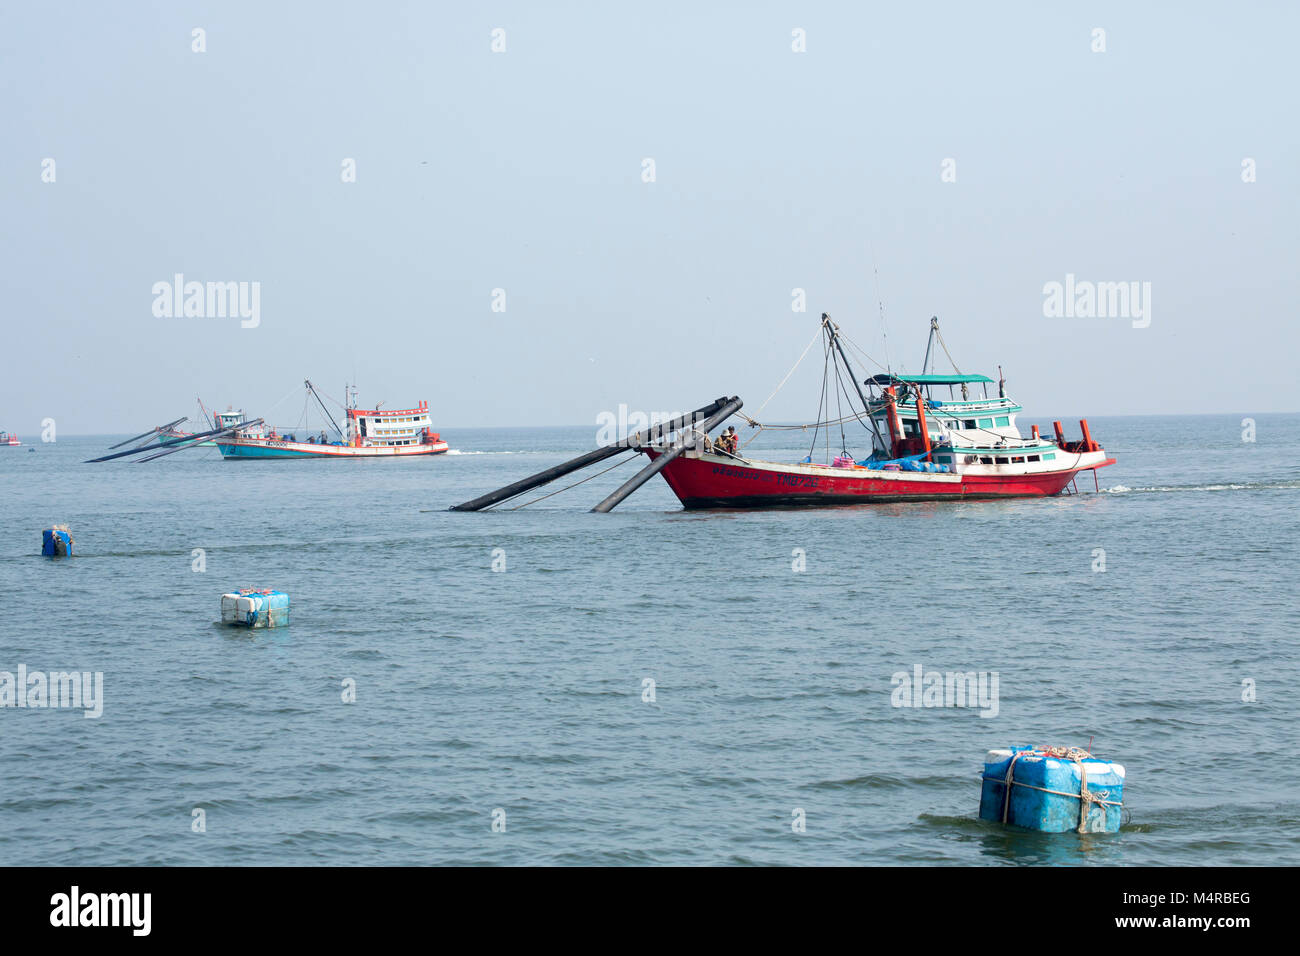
368, 433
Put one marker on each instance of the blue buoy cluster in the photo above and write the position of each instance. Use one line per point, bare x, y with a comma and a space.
56, 542
923, 466
254, 608
1053, 790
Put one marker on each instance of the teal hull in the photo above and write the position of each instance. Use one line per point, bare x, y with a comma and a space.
247, 451
279, 450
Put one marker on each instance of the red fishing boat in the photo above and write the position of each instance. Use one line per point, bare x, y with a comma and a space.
924, 447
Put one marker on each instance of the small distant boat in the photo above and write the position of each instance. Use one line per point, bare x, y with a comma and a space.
7, 439
368, 433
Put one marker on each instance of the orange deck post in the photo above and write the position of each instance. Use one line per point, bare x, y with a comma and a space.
1060, 434
920, 420
1088, 443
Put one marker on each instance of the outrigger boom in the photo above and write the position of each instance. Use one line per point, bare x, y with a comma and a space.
704, 419
657, 464
160, 429
174, 444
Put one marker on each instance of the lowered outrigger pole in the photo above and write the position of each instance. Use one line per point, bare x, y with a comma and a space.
701, 421
174, 444
156, 430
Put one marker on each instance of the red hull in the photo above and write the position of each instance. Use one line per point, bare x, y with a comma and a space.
714, 483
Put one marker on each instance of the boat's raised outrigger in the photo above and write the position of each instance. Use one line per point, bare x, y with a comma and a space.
923, 448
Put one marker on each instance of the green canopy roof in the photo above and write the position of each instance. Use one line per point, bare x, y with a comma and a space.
932, 379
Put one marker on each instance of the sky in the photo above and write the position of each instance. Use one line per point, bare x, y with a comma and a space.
506, 252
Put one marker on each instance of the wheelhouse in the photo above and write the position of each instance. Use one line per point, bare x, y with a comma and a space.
389, 427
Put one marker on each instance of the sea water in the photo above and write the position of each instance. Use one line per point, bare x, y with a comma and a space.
651, 686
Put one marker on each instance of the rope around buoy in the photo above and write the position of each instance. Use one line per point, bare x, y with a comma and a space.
1084, 796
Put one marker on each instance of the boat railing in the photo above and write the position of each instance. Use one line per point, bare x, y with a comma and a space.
1003, 443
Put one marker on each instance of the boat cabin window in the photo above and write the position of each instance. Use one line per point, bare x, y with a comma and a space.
1033, 458
1050, 456
1001, 461
1004, 421
985, 460
968, 423
1018, 461
986, 423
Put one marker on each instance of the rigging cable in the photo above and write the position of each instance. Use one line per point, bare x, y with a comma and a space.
944, 346
822, 399
617, 464
839, 408
884, 331
789, 373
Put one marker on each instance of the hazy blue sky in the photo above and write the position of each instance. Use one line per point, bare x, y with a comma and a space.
522, 170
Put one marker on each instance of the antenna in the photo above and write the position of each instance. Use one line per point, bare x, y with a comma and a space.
884, 331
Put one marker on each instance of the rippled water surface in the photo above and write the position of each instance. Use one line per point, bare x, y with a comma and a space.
522, 690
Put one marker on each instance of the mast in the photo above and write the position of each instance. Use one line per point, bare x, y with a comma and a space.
349, 406
328, 416
203, 408
830, 328
929, 343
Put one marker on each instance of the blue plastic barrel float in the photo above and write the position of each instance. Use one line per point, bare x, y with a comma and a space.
56, 542
1052, 789
255, 608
